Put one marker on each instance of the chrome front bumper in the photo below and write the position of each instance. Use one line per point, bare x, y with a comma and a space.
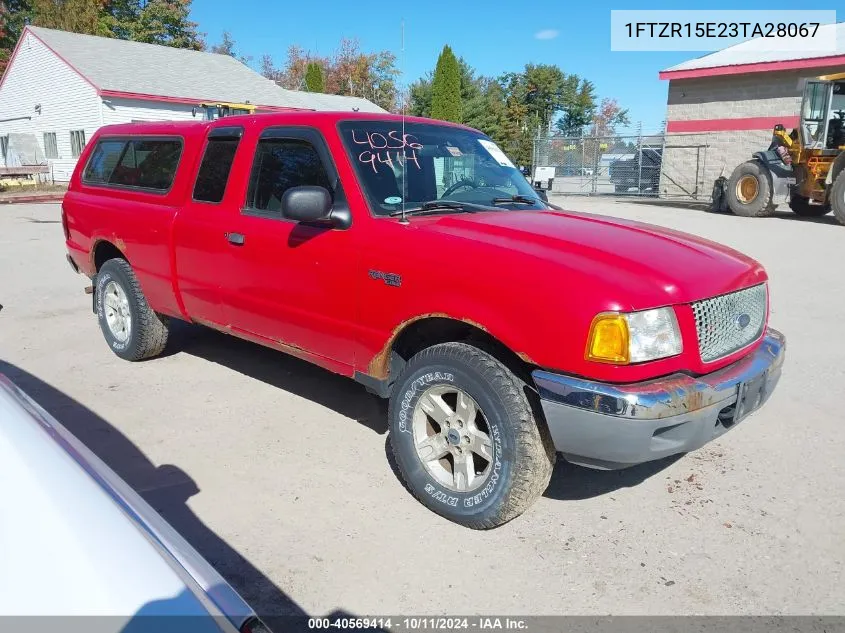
614, 426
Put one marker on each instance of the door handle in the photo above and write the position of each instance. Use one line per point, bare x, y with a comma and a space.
236, 238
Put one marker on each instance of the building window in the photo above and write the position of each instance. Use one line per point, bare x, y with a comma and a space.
51, 149
77, 142
4, 147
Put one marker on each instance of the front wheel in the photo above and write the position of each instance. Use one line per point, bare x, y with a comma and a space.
801, 206
465, 438
749, 190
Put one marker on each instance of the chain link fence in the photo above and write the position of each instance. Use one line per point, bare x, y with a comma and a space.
644, 165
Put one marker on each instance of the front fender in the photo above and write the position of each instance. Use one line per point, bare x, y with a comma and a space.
837, 166
781, 176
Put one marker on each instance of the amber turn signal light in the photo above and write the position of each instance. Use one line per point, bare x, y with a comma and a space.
608, 340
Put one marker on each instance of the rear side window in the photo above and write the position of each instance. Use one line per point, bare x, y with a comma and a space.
135, 163
279, 165
214, 170
103, 161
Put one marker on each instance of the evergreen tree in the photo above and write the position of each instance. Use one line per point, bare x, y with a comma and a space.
314, 77
164, 22
446, 88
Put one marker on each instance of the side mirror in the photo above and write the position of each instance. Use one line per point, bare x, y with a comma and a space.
307, 204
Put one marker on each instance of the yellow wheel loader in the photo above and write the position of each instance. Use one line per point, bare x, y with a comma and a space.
804, 168
214, 111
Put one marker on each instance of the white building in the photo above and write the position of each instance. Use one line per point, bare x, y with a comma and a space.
60, 87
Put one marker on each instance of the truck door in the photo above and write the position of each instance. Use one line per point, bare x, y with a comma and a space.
201, 249
289, 283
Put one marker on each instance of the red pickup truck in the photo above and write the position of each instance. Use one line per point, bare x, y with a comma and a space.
412, 256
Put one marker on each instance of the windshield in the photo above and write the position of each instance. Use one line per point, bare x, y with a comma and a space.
432, 162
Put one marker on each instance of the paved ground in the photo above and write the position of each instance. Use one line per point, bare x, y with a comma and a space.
276, 471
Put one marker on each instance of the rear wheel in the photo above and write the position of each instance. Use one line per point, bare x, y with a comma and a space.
837, 197
129, 325
801, 206
465, 438
749, 190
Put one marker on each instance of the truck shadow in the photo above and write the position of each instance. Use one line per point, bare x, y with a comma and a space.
702, 206
572, 483
282, 371
167, 488
348, 398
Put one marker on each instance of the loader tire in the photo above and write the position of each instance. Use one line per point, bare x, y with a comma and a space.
749, 190
801, 206
837, 197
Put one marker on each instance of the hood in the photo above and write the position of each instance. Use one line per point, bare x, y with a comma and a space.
647, 265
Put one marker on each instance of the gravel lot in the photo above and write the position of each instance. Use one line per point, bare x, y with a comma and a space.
276, 470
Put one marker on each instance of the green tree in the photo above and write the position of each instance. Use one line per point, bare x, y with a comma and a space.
77, 16
13, 17
578, 110
420, 90
314, 77
487, 110
163, 22
446, 88
419, 96
516, 135
166, 22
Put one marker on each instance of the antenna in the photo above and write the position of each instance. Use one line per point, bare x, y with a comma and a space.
403, 96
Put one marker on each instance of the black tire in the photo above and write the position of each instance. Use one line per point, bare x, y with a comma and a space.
148, 331
801, 206
522, 454
837, 197
621, 188
760, 205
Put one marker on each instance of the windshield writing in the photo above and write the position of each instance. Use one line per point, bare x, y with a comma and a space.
427, 162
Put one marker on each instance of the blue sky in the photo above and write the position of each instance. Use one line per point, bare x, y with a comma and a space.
493, 36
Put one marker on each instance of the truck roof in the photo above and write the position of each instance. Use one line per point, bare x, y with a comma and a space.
277, 118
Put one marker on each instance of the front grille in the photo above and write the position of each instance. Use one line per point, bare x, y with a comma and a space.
730, 322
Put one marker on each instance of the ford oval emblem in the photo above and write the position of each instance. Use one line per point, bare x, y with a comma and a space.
742, 321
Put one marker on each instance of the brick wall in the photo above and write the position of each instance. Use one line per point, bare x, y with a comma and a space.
692, 161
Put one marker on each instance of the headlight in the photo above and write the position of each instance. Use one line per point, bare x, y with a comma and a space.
634, 337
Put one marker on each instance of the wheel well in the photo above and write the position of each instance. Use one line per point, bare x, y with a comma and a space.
427, 332
104, 251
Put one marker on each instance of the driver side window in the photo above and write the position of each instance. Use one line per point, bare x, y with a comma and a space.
279, 165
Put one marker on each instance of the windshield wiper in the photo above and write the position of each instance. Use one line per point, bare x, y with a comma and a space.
434, 206
518, 199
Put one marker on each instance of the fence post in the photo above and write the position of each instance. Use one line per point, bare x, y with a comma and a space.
639, 157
